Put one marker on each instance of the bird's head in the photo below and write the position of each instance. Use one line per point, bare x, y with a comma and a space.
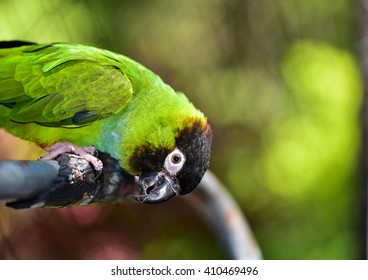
165, 173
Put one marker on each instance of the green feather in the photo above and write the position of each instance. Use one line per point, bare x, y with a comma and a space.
57, 81
88, 96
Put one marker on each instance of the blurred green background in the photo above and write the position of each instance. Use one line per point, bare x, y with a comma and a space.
281, 85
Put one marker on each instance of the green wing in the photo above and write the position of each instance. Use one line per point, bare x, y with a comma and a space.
62, 84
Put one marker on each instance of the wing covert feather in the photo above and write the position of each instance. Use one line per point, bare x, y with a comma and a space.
50, 84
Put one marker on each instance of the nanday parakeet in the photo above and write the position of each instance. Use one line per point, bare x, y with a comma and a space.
56, 94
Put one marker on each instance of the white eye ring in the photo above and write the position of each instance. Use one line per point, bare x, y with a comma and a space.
174, 161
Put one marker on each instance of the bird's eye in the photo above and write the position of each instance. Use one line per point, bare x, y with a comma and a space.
174, 161
176, 158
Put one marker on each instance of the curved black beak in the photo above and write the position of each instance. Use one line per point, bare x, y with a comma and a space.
156, 187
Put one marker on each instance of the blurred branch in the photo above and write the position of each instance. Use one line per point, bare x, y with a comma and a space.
364, 65
70, 181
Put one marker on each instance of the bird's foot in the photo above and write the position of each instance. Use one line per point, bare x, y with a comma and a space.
88, 153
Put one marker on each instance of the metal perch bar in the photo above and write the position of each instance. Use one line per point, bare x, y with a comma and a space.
217, 206
25, 179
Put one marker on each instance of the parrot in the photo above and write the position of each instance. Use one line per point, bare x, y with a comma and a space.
68, 97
